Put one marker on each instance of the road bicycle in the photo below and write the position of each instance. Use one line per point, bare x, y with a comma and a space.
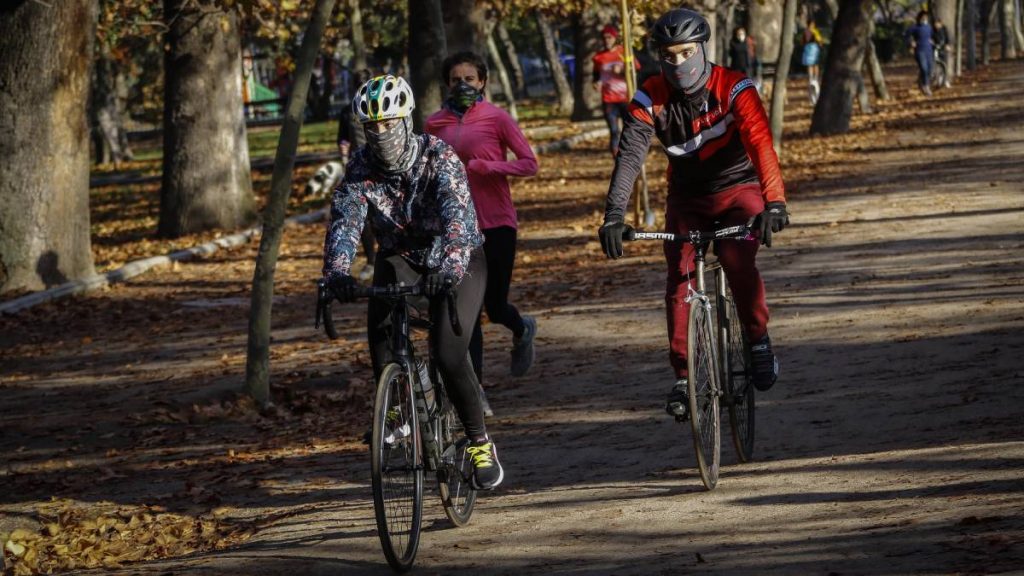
415, 429
718, 356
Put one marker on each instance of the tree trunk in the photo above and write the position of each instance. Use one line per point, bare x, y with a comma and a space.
778, 105
874, 67
958, 47
586, 43
1007, 41
945, 10
513, 59
842, 71
465, 25
1016, 43
44, 142
970, 33
257, 362
988, 13
499, 67
427, 49
207, 182
558, 75
764, 24
355, 22
108, 112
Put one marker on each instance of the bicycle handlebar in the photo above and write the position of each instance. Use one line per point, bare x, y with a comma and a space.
740, 232
325, 298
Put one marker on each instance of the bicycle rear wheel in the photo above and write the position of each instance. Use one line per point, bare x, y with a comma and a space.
737, 380
938, 79
397, 470
453, 476
704, 391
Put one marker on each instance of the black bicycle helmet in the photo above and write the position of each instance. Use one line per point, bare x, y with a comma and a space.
678, 26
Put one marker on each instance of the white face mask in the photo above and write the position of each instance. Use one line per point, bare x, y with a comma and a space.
741, 37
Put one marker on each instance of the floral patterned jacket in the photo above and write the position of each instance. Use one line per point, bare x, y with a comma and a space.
425, 214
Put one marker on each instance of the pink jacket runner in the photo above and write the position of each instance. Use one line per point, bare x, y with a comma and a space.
482, 137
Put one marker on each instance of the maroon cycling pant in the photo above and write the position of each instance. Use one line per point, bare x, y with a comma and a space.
730, 207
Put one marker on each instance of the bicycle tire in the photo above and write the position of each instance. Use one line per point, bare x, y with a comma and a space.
397, 470
704, 392
938, 79
736, 366
453, 476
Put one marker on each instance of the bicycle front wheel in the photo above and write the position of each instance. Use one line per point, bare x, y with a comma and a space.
704, 391
397, 470
737, 380
455, 471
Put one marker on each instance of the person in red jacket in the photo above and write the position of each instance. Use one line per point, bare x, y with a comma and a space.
722, 168
482, 134
610, 78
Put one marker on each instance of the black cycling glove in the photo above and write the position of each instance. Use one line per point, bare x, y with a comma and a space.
436, 284
611, 238
343, 288
773, 219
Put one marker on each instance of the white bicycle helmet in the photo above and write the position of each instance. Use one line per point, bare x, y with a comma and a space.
383, 98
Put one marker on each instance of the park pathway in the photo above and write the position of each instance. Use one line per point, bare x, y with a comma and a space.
892, 444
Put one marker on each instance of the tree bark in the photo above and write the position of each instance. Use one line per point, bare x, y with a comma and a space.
1015, 43
513, 59
506, 84
558, 75
355, 21
427, 49
1007, 43
970, 33
843, 70
207, 182
945, 10
586, 43
873, 65
44, 142
988, 12
764, 24
257, 364
778, 105
107, 112
465, 25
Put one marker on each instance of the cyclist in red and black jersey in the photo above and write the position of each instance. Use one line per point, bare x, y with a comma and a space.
722, 168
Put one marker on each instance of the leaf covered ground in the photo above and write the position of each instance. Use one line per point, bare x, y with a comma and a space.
126, 441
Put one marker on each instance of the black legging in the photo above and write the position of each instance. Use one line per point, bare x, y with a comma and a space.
449, 349
500, 250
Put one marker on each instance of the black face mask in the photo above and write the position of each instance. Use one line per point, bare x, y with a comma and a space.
462, 96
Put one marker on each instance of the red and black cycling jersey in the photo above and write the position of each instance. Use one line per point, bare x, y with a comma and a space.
728, 143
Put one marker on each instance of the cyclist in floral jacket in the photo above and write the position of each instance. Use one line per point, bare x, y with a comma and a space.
413, 191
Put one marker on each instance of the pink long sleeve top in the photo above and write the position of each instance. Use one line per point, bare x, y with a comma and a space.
482, 137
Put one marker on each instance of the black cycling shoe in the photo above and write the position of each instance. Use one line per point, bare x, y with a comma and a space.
764, 364
678, 402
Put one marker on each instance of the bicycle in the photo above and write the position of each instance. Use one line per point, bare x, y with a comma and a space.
719, 369
415, 428
939, 74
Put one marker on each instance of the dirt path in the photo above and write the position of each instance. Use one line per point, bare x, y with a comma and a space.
893, 443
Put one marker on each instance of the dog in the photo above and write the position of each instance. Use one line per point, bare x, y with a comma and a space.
325, 179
